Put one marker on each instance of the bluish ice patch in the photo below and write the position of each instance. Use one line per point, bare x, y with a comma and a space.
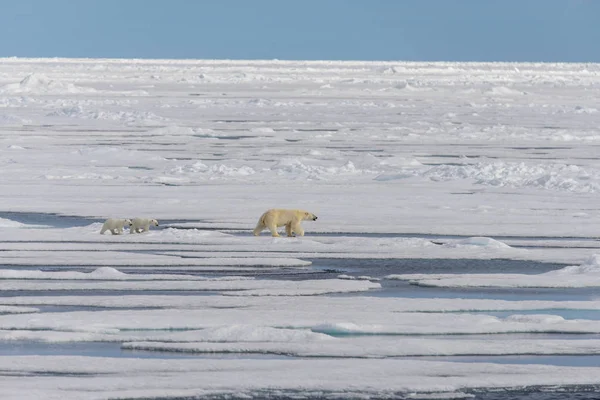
521, 336
405, 289
48, 219
109, 349
71, 308
565, 313
104, 292
52, 220
592, 360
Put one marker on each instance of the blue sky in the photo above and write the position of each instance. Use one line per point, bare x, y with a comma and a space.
427, 30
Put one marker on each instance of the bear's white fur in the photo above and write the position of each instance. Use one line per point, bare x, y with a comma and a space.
139, 225
279, 217
115, 226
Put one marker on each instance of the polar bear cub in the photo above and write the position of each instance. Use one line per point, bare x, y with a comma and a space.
115, 226
139, 225
279, 217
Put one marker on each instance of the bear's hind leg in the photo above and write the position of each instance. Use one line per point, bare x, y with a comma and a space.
259, 228
273, 229
288, 229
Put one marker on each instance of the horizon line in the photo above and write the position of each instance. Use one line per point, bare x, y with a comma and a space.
277, 60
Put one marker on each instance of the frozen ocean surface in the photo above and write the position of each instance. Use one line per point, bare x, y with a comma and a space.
456, 253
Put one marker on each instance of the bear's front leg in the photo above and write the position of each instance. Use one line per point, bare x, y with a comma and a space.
298, 229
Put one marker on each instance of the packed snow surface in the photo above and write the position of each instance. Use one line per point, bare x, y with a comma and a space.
458, 224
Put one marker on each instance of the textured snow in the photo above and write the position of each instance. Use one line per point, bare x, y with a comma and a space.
105, 378
335, 304
40, 84
402, 161
368, 348
240, 287
338, 322
102, 273
16, 310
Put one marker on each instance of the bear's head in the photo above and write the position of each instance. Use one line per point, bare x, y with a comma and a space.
309, 217
127, 222
154, 222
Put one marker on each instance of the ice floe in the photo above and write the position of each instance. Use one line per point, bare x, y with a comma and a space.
77, 378
402, 161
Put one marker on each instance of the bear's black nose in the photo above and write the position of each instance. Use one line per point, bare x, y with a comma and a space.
315, 218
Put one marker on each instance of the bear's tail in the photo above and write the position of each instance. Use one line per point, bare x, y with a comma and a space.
261, 220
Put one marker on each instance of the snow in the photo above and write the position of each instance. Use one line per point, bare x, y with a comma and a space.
102, 273
473, 167
7, 223
367, 348
77, 378
340, 321
16, 310
41, 84
243, 287
384, 304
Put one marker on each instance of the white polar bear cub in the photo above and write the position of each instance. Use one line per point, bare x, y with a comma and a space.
280, 217
115, 226
139, 225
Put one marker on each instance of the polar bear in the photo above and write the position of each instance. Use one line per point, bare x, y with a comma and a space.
280, 217
115, 226
139, 225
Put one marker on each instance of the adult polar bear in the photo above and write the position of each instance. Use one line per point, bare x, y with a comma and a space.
139, 225
115, 226
279, 217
